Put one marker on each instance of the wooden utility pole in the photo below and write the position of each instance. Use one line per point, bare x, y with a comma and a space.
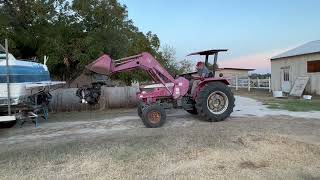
8, 76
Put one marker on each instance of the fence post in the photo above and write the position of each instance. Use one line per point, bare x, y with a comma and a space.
249, 84
269, 84
237, 88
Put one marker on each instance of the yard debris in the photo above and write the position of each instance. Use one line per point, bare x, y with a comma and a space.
299, 86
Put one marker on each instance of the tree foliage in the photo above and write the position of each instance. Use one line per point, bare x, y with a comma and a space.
74, 33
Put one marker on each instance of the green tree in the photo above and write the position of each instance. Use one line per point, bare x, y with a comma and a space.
185, 66
74, 33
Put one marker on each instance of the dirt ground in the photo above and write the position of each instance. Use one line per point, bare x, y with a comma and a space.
115, 145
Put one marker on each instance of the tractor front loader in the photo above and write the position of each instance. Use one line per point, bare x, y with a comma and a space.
213, 100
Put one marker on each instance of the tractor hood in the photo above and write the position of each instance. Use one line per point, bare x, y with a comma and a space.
103, 65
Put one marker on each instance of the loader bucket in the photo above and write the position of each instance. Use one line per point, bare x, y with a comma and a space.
103, 65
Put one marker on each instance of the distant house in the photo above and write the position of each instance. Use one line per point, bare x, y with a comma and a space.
300, 61
234, 72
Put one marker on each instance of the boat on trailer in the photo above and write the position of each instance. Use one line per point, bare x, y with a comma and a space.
29, 87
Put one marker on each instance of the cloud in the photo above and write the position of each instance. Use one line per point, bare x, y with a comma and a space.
258, 61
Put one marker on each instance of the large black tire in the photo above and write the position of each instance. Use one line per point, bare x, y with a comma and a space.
8, 124
153, 116
205, 109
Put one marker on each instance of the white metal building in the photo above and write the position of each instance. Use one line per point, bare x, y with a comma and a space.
300, 61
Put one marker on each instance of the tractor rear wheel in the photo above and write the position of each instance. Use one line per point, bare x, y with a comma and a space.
153, 116
215, 102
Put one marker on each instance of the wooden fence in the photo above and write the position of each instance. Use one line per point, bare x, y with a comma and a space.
65, 99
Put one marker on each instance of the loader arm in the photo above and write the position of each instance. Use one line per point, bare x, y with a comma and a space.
144, 61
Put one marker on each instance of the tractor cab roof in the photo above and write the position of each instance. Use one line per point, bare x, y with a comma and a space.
208, 52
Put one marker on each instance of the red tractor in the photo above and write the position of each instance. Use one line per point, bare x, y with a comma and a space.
212, 101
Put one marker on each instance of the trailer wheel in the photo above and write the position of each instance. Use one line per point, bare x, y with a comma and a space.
215, 102
153, 116
8, 124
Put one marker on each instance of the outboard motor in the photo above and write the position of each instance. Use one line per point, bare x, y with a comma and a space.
90, 94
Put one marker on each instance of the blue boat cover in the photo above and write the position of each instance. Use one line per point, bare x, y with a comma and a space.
22, 71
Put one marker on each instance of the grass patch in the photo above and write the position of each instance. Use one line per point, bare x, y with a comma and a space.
273, 105
294, 104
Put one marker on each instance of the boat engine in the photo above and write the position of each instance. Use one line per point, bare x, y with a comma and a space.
90, 94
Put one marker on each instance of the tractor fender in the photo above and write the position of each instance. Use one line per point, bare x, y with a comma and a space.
208, 80
205, 81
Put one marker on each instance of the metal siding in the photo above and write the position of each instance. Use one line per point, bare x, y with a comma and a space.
298, 67
276, 74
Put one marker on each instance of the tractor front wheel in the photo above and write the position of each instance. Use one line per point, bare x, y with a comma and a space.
215, 102
153, 116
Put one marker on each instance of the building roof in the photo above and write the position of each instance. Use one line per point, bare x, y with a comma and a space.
308, 48
243, 69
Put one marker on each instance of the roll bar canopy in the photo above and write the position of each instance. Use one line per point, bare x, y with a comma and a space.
207, 53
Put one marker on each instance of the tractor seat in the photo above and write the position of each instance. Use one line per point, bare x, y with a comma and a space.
210, 75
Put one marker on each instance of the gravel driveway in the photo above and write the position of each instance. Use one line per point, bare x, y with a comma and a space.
254, 143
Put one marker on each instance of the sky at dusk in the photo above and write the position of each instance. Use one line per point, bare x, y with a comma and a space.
252, 30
